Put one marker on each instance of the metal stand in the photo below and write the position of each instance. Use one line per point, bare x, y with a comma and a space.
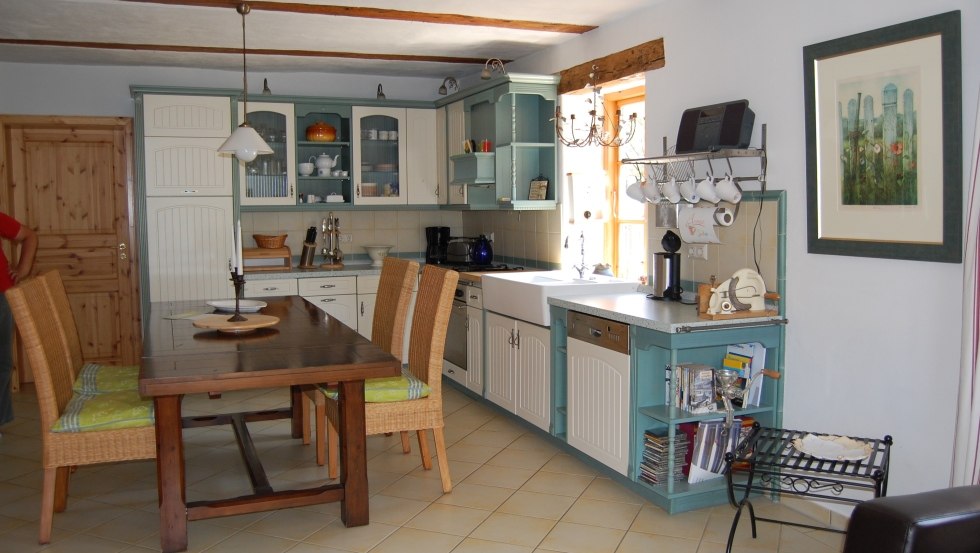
239, 282
768, 454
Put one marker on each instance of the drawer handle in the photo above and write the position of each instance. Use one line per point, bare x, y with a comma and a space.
190, 191
328, 286
474, 296
270, 288
328, 300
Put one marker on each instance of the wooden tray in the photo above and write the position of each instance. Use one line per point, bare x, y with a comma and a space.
266, 259
222, 324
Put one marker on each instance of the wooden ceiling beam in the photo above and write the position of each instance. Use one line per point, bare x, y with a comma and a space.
238, 51
388, 14
638, 59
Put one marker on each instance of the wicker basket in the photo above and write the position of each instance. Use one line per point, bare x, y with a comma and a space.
270, 241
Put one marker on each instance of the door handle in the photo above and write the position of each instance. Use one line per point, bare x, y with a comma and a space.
122, 251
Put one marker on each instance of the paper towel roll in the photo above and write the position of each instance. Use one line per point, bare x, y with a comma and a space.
697, 225
724, 217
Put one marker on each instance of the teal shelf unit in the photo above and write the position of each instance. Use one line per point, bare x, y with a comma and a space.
339, 117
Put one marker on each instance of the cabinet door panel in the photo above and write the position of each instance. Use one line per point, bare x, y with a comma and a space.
180, 166
271, 178
598, 403
533, 374
500, 360
365, 313
474, 349
379, 159
186, 116
421, 181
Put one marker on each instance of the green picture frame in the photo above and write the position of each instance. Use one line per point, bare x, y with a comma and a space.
883, 121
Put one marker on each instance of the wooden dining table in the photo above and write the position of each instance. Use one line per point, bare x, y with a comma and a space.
304, 348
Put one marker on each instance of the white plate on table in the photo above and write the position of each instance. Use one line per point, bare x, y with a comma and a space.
244, 306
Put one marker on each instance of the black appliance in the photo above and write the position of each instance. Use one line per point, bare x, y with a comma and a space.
666, 276
710, 128
436, 244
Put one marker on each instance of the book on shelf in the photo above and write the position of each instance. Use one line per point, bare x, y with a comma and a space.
752, 356
694, 388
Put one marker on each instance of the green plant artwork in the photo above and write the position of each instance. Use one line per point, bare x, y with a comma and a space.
879, 139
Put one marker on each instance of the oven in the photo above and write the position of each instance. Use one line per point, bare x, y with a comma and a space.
455, 353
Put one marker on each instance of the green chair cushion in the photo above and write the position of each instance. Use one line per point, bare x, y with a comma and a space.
96, 379
393, 388
105, 411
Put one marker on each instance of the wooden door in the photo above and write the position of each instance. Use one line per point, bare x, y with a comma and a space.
71, 180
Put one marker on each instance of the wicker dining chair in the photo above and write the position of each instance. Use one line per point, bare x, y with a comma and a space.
387, 332
425, 350
42, 337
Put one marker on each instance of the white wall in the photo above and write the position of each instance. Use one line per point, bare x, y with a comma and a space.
29, 89
872, 345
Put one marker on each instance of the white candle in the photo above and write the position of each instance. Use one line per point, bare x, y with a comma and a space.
233, 260
241, 257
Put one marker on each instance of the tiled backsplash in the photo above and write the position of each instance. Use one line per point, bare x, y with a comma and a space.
529, 237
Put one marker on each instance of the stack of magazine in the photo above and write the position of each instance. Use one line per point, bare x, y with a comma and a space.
653, 468
694, 388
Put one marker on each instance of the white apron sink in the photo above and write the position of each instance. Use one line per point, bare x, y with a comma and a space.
524, 294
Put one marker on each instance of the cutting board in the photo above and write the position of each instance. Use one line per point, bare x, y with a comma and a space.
221, 323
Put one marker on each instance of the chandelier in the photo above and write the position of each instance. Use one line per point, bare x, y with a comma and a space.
599, 129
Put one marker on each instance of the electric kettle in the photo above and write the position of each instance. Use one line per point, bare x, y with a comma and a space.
482, 251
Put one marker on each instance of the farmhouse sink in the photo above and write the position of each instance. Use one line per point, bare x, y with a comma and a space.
524, 295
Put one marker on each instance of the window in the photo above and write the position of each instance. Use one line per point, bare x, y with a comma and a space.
626, 233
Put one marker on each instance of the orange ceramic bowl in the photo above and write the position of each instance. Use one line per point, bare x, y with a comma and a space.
321, 132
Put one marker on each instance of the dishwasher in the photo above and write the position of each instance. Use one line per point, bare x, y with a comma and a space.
598, 389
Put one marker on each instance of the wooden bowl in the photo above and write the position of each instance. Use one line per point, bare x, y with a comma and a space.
269, 240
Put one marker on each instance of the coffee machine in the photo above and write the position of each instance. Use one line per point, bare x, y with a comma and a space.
436, 244
666, 275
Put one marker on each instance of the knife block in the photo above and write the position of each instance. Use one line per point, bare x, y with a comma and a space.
266, 259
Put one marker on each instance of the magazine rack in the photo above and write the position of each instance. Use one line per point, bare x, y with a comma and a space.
772, 462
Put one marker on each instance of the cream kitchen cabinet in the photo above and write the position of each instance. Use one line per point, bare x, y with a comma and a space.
188, 246
336, 296
186, 166
474, 349
421, 176
379, 155
518, 375
270, 179
186, 116
269, 287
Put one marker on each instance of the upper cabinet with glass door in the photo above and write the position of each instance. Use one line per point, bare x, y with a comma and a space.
379, 155
323, 145
270, 179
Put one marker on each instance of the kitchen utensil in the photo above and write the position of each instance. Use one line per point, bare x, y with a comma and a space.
671, 191
436, 242
635, 191
688, 191
310, 236
306, 169
651, 191
729, 190
325, 163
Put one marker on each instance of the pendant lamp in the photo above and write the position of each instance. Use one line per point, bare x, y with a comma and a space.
245, 143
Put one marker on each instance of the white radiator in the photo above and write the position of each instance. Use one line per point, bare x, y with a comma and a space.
598, 403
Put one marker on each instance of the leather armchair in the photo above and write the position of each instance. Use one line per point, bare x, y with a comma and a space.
946, 520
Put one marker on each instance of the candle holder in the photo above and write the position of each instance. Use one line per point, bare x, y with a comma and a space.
239, 282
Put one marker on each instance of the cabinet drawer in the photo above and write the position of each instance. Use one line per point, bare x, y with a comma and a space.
272, 287
327, 286
342, 307
368, 284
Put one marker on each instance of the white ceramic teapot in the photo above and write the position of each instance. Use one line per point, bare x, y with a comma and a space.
325, 163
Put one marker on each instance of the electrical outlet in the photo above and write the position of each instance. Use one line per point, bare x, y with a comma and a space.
698, 251
346, 237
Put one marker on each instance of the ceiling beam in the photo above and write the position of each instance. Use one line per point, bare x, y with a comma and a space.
642, 57
235, 50
380, 13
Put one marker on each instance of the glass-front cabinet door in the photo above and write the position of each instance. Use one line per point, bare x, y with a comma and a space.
270, 179
379, 155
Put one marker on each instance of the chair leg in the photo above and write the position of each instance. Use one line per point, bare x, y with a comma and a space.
321, 431
440, 439
62, 476
48, 485
333, 451
424, 450
406, 446
305, 414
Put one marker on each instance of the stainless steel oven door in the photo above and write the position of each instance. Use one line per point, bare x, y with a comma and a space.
455, 351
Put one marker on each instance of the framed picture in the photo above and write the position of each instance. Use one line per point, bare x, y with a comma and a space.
538, 189
883, 142
469, 146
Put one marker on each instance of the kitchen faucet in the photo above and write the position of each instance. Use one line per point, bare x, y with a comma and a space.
580, 268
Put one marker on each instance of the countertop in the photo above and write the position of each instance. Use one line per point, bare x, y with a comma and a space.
352, 269
636, 309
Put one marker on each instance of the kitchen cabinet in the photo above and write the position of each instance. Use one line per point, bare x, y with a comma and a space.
474, 349
270, 287
186, 166
455, 135
379, 155
270, 179
336, 296
186, 116
339, 117
421, 174
518, 372
188, 245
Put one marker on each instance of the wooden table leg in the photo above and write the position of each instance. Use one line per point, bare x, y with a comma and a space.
295, 402
170, 474
353, 454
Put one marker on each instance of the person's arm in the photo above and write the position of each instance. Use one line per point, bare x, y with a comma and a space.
28, 248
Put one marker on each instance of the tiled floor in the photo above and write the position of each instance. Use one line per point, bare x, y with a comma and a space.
513, 492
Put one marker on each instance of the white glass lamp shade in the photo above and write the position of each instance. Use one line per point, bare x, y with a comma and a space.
245, 143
